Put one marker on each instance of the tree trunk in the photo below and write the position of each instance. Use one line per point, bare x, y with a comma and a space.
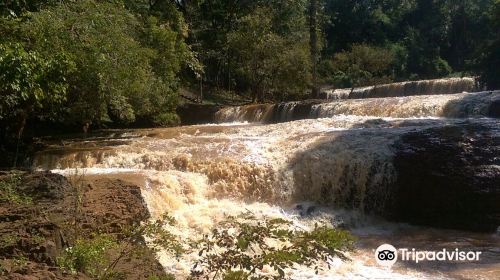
201, 90
20, 130
313, 41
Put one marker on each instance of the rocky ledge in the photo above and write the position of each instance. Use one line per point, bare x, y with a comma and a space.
449, 177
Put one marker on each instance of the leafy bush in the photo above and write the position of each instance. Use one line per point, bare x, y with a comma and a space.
240, 246
159, 238
360, 66
9, 190
90, 256
98, 256
126, 64
271, 63
30, 85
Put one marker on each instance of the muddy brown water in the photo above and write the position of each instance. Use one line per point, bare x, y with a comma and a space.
341, 166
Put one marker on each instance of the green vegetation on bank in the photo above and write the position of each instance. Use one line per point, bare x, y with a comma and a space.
242, 248
10, 193
93, 62
122, 62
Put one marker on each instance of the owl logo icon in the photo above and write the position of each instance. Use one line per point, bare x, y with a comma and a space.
386, 255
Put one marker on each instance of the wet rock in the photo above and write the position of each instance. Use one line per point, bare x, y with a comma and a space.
44, 185
305, 209
190, 113
494, 110
340, 223
449, 177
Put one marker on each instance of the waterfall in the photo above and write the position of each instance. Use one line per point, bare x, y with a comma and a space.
461, 105
376, 156
423, 87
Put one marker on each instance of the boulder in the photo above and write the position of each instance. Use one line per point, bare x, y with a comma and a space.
449, 177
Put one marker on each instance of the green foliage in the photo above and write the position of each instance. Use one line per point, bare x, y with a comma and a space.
236, 275
9, 190
436, 36
119, 62
160, 238
98, 256
8, 240
17, 8
259, 47
30, 82
125, 69
490, 53
362, 65
89, 256
272, 64
239, 247
20, 261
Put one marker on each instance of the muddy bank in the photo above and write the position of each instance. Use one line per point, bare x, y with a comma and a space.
42, 214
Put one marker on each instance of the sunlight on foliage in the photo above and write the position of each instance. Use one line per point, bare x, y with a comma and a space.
89, 256
9, 190
240, 247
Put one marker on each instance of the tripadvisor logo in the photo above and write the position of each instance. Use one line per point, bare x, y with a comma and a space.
388, 255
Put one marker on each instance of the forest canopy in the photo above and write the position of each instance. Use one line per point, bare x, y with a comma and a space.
117, 62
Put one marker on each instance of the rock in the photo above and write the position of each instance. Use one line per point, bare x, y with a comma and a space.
44, 185
494, 110
449, 177
204, 113
51, 251
305, 209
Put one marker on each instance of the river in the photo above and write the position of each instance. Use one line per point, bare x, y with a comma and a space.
342, 162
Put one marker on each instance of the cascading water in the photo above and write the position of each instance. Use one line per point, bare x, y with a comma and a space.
352, 157
451, 105
423, 87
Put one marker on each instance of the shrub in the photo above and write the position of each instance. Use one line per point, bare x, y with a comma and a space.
9, 190
362, 65
90, 256
98, 256
240, 246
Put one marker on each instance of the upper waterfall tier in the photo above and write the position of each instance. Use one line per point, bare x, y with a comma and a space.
462, 105
424, 87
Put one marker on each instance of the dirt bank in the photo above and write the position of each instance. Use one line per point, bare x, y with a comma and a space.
42, 214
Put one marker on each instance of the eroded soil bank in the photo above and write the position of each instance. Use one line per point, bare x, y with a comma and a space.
42, 214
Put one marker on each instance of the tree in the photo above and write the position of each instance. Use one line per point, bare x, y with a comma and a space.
362, 65
126, 68
313, 41
271, 64
436, 37
490, 53
17, 8
29, 84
